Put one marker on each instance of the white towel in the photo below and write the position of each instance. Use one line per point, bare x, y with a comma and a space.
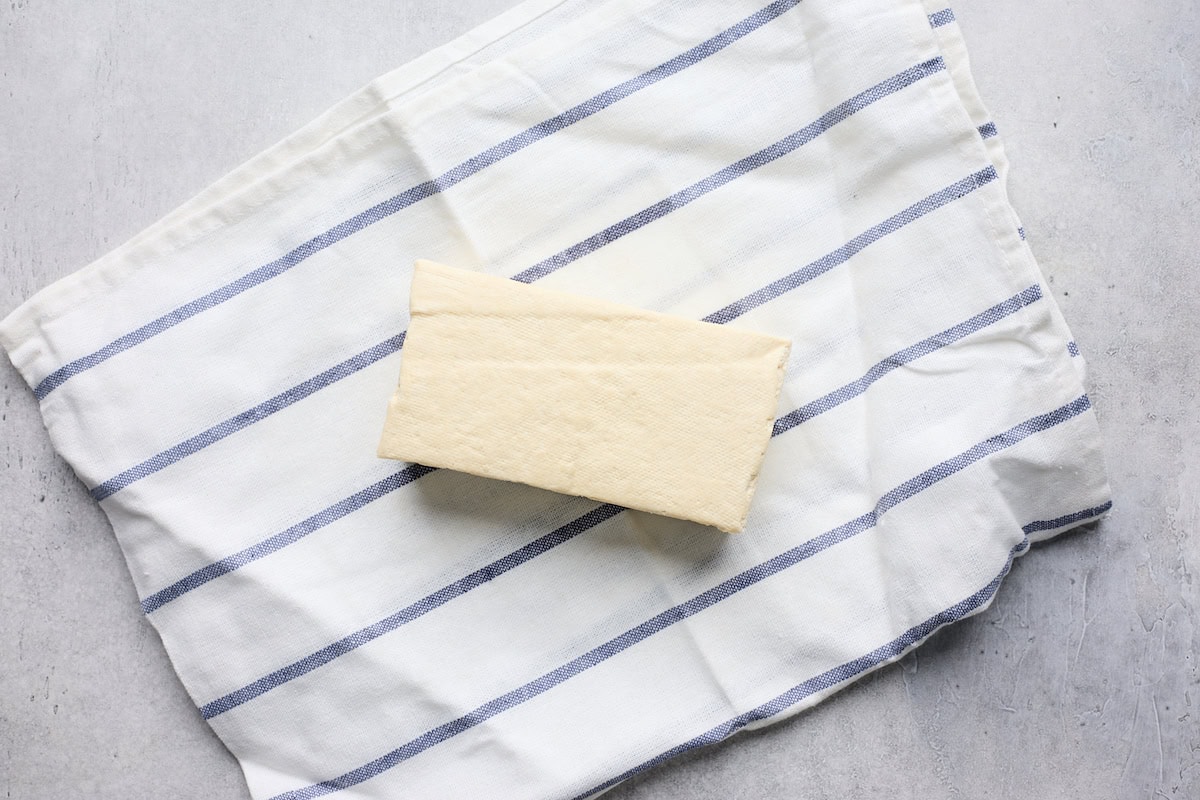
822, 170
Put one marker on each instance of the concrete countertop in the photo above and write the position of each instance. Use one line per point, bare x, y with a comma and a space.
1082, 680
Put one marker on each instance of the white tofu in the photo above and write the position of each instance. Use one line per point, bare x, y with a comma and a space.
583, 396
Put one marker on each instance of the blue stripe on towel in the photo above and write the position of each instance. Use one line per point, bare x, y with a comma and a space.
325, 516
939, 18
851, 669
410, 612
695, 605
851, 248
364, 359
786, 145
247, 418
415, 194
1077, 518
924, 347
387, 485
591, 519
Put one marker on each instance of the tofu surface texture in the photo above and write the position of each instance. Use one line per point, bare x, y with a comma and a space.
583, 396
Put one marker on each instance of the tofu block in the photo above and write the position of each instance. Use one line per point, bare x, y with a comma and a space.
583, 396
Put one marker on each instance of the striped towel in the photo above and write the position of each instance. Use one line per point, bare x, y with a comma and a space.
821, 170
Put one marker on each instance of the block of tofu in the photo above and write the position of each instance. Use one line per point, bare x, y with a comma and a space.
583, 396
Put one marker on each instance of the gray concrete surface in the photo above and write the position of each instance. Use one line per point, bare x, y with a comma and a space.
1082, 679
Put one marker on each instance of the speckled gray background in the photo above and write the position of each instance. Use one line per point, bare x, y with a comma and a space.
1081, 681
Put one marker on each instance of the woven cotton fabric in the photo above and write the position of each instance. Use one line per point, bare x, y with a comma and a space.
821, 170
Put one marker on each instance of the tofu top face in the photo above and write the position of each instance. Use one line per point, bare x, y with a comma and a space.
583, 396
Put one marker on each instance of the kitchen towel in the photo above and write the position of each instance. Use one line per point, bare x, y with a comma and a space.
821, 170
